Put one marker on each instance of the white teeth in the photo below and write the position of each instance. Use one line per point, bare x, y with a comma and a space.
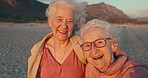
63, 32
98, 57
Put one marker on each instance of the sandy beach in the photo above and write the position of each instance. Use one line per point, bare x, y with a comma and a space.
16, 40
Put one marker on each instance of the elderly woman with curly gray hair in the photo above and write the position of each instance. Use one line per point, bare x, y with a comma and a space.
104, 59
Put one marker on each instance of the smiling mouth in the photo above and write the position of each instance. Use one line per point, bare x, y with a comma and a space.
62, 32
98, 58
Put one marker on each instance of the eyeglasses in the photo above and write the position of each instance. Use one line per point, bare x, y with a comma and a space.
99, 43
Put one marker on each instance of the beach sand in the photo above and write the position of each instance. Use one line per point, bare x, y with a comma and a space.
16, 40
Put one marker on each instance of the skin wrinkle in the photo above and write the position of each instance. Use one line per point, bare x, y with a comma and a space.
62, 15
62, 28
91, 35
114, 63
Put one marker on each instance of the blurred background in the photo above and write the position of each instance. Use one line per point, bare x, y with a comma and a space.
114, 11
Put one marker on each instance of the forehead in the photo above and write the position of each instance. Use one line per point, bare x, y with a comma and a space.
93, 33
62, 9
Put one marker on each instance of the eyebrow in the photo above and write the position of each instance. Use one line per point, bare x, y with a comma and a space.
58, 17
70, 19
100, 39
62, 17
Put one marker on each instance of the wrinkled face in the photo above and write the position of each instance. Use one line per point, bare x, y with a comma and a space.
102, 57
62, 22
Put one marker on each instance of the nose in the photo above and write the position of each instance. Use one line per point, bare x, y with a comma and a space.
94, 50
64, 25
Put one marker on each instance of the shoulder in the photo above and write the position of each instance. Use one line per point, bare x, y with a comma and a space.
38, 47
136, 72
76, 40
75, 37
35, 48
134, 69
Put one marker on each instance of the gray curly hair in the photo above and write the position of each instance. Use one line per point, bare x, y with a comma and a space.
108, 28
78, 7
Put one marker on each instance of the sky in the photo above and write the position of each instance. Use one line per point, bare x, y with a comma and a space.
133, 8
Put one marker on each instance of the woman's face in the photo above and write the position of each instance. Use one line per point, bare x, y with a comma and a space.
62, 22
101, 58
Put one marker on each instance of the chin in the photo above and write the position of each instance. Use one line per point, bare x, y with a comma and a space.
101, 69
62, 38
100, 66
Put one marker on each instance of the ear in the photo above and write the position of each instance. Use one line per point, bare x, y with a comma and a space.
114, 46
49, 22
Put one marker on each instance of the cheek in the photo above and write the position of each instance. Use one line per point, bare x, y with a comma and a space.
70, 30
54, 28
107, 50
55, 24
108, 57
71, 27
87, 55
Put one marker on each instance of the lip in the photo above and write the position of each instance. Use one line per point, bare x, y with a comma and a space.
98, 58
62, 31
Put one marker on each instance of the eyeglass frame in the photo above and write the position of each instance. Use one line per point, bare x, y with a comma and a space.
105, 39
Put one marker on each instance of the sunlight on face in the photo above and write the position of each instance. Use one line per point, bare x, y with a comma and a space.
62, 22
101, 58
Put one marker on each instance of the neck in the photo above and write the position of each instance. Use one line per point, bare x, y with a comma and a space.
61, 44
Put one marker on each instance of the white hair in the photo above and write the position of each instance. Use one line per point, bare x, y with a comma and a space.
79, 9
103, 25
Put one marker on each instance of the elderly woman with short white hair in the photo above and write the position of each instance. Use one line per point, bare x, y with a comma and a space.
104, 59
59, 55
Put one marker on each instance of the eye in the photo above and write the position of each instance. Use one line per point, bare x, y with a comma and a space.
87, 45
59, 20
70, 22
99, 43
